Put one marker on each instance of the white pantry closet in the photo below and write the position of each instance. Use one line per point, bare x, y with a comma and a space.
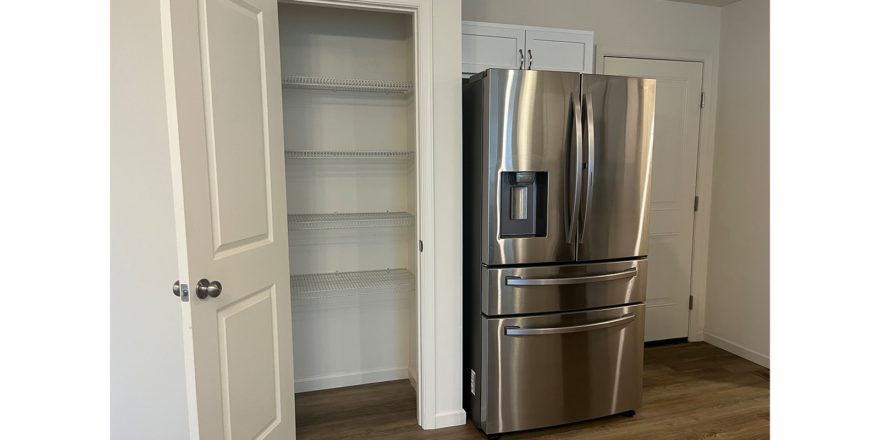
349, 118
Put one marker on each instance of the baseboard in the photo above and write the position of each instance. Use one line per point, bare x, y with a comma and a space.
348, 379
739, 350
662, 342
412, 379
450, 418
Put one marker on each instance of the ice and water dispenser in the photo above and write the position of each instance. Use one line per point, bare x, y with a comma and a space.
523, 204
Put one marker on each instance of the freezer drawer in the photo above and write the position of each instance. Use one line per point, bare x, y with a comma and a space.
548, 370
513, 291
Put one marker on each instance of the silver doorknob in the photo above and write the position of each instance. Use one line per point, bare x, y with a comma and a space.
176, 288
205, 289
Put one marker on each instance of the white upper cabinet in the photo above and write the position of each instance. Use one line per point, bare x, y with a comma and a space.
486, 45
559, 50
501, 46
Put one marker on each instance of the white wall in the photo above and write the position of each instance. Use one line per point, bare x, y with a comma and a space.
738, 286
147, 383
623, 23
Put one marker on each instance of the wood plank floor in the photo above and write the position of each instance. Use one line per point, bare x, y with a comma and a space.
692, 391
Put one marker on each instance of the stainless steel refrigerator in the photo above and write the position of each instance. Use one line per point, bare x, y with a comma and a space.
557, 184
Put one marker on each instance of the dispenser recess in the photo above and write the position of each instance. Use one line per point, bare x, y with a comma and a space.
523, 204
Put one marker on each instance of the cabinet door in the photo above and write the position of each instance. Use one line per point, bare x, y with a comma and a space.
485, 46
566, 51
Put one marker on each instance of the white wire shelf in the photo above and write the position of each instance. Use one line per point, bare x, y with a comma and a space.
298, 222
345, 84
342, 284
321, 154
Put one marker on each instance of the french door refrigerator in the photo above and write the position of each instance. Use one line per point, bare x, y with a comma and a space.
556, 192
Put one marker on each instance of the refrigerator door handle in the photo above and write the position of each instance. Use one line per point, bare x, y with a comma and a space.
591, 156
576, 157
516, 331
517, 281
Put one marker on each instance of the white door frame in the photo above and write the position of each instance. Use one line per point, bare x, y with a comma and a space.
705, 155
422, 15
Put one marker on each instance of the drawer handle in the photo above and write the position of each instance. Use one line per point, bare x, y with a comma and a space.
516, 331
517, 281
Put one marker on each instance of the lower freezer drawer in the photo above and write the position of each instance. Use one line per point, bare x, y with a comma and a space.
551, 289
548, 370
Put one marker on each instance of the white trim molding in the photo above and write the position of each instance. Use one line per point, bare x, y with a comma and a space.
527, 28
451, 418
411, 375
328, 381
705, 156
743, 352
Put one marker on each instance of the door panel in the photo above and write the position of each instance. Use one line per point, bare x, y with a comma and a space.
530, 118
223, 89
619, 116
512, 291
235, 109
590, 365
249, 364
559, 51
490, 47
673, 183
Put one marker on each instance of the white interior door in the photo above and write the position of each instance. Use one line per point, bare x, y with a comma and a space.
673, 183
223, 90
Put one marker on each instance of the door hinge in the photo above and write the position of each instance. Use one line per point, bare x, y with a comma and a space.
691, 303
421, 246
702, 99
696, 203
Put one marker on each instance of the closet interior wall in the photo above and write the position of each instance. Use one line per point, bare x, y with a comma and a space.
352, 327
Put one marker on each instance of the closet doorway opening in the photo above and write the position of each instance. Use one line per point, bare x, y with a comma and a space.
353, 147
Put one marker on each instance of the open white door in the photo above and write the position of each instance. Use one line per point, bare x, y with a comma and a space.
223, 90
